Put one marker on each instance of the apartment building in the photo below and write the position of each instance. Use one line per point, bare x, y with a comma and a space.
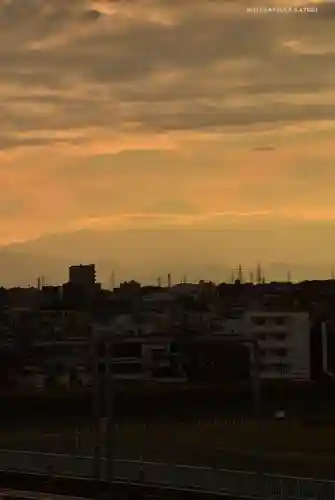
283, 342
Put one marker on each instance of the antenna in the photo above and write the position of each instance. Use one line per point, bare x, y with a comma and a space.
112, 280
251, 277
259, 274
38, 283
240, 273
169, 280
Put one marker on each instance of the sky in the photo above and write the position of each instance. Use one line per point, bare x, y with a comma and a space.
153, 114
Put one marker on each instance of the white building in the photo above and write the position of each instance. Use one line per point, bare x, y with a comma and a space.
284, 343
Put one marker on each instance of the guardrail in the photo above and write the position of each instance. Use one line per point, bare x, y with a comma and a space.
33, 495
236, 483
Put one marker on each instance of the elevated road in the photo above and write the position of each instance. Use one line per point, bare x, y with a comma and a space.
229, 482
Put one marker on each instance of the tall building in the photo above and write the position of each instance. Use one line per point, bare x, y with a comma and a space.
82, 275
284, 342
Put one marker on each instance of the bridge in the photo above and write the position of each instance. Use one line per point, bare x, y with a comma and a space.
238, 484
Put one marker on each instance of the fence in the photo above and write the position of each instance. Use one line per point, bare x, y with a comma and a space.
237, 483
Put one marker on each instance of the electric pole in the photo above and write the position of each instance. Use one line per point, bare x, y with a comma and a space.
256, 380
109, 401
96, 414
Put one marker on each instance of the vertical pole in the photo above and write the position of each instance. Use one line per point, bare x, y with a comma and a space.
110, 414
96, 399
256, 381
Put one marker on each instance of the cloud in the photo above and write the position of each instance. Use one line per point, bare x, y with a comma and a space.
171, 207
10, 206
161, 65
107, 107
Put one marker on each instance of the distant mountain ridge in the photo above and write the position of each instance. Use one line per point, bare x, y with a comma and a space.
146, 254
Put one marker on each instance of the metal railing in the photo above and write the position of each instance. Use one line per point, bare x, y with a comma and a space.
237, 483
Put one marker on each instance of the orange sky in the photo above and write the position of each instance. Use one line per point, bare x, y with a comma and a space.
131, 114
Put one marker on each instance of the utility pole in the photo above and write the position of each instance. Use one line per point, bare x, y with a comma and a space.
96, 414
255, 376
256, 396
112, 281
109, 401
103, 405
256, 380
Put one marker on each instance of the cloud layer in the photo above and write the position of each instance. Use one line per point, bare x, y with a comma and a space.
159, 66
117, 111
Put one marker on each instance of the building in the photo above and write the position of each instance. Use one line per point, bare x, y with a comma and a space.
323, 349
224, 361
284, 343
81, 289
82, 275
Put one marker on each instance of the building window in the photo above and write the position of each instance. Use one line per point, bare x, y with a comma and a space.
280, 336
259, 320
280, 320
282, 352
127, 368
261, 336
282, 368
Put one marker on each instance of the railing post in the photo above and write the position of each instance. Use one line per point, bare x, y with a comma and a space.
298, 489
281, 489
141, 474
215, 474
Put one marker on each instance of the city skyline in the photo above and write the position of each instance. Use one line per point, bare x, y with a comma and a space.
152, 121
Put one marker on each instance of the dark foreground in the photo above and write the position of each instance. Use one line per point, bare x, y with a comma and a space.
85, 488
290, 447
196, 426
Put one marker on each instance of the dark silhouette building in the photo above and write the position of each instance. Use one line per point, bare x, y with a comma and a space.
214, 361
